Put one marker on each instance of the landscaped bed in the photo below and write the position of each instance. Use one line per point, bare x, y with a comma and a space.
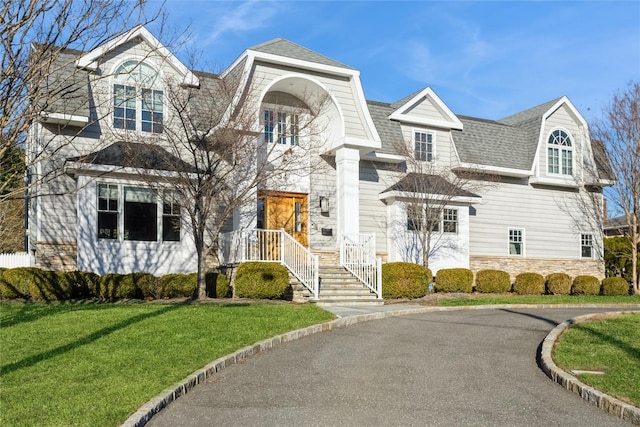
66, 364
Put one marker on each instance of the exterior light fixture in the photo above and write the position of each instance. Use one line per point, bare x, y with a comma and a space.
324, 205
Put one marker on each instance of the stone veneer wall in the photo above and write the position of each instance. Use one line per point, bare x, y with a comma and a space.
56, 256
544, 266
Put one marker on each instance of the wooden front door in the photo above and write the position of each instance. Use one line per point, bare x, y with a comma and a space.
288, 211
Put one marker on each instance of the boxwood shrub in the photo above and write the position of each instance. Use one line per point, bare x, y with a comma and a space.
118, 286
585, 285
262, 280
454, 280
177, 286
558, 284
529, 284
16, 282
615, 286
405, 280
493, 281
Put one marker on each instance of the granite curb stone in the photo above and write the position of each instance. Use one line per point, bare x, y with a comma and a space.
144, 414
602, 400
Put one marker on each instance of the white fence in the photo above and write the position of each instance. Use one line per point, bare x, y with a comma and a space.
358, 256
18, 259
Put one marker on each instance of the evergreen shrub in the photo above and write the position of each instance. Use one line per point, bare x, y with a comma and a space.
115, 286
615, 286
493, 281
262, 280
585, 285
48, 286
558, 284
16, 282
178, 285
454, 280
405, 280
529, 284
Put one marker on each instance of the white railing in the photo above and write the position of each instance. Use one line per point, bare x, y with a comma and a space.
18, 259
271, 246
358, 256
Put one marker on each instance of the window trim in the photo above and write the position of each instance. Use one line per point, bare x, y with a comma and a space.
455, 221
152, 84
563, 155
591, 246
159, 196
280, 120
427, 133
522, 242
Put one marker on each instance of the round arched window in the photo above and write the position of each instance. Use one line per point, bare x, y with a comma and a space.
560, 153
137, 105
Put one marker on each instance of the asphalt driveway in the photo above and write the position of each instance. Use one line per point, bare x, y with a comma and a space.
454, 368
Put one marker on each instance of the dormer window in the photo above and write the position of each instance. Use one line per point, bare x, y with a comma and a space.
560, 153
423, 146
137, 105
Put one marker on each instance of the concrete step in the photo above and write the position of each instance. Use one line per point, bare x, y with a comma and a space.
349, 302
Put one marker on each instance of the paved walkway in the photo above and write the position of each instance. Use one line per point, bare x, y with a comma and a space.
470, 367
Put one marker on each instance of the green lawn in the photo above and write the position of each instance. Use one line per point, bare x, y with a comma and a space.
487, 299
611, 346
95, 364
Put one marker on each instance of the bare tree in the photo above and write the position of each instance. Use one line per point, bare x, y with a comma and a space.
432, 191
619, 131
35, 37
218, 154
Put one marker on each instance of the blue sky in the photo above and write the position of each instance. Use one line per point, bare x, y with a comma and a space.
485, 59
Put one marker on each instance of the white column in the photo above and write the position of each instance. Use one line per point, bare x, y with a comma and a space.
347, 176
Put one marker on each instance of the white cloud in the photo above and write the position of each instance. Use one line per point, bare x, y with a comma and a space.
240, 17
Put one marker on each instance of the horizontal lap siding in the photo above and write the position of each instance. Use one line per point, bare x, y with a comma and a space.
549, 229
373, 212
562, 119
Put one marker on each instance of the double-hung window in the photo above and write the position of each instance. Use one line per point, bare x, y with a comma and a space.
107, 211
516, 242
282, 127
560, 153
586, 245
423, 146
137, 105
450, 220
170, 217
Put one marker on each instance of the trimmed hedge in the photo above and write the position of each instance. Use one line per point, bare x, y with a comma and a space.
529, 284
558, 284
177, 285
405, 280
262, 280
615, 286
493, 281
119, 286
454, 280
585, 285
16, 282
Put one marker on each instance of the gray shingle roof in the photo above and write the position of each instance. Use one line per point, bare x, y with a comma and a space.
492, 143
389, 130
286, 48
603, 167
428, 184
529, 114
135, 155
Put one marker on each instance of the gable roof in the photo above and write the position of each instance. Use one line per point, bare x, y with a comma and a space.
404, 107
530, 113
89, 60
286, 48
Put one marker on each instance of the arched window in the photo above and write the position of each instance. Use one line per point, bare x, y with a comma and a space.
136, 104
560, 153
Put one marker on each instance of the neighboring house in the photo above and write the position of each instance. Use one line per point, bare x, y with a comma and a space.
616, 226
529, 171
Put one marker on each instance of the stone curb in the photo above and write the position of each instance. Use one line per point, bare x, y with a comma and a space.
602, 400
144, 414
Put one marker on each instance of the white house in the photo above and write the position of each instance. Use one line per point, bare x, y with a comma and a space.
528, 175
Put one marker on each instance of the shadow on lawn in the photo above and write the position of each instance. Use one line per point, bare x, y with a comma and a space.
632, 351
30, 312
31, 360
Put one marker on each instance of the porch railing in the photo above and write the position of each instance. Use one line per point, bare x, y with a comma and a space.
271, 246
358, 256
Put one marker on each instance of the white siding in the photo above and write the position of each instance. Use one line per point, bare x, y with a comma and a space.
564, 120
374, 179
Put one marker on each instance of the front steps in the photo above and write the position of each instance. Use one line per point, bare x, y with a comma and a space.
337, 287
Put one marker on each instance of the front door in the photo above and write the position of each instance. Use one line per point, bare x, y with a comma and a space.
288, 211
